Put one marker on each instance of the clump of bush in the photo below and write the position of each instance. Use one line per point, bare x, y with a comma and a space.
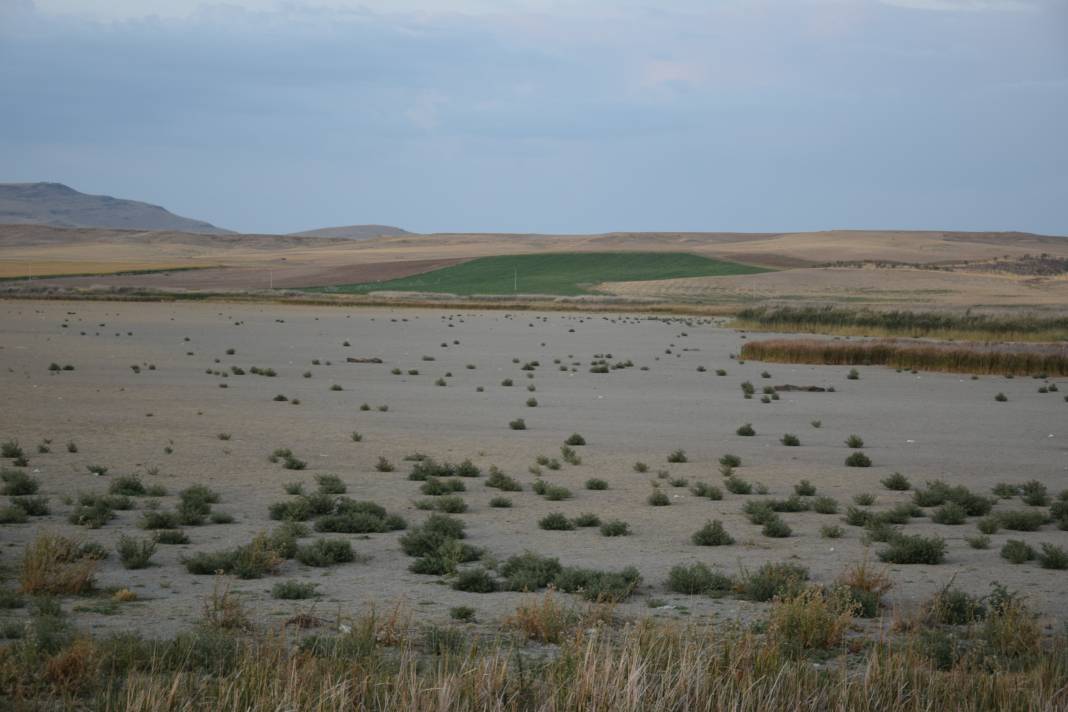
914, 549
698, 579
135, 553
771, 580
1017, 551
293, 590
858, 459
615, 527
325, 552
712, 534
896, 482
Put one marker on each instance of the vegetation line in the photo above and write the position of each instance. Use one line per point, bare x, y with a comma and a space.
968, 326
920, 356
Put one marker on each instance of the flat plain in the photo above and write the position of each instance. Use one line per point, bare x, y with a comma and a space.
144, 398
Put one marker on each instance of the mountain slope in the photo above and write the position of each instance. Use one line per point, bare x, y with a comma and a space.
354, 232
59, 205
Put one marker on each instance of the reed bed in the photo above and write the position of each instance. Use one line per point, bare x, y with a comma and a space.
911, 355
867, 322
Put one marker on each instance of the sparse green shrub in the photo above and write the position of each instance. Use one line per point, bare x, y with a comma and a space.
501, 481
1053, 557
33, 506
777, 528
698, 579
599, 586
587, 519
951, 606
330, 484
854, 441
831, 531
772, 580
1017, 551
1001, 397
476, 580
805, 488
914, 549
979, 541
712, 534
896, 482
1022, 520
556, 522
677, 456
293, 590
640, 467
17, 483
159, 520
556, 493
128, 485
171, 537
864, 499
596, 484
658, 498
746, 430
615, 527
736, 485
790, 440
575, 440
518, 424
729, 460
135, 553
500, 502
1034, 493
462, 613
949, 513
325, 552
825, 505
858, 459
1004, 490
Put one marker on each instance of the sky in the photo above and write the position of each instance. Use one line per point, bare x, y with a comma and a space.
564, 116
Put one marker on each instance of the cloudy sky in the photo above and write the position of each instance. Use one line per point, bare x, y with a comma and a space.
548, 115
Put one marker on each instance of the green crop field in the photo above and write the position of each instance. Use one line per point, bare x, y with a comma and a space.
562, 273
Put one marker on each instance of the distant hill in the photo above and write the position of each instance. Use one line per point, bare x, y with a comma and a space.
59, 205
354, 232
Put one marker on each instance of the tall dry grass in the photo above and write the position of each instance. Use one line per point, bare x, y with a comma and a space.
921, 356
809, 657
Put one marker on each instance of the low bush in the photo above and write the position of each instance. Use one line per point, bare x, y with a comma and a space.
771, 580
897, 482
599, 586
476, 580
135, 553
697, 579
712, 534
746, 430
914, 549
858, 459
1052, 557
17, 483
556, 522
949, 513
658, 498
325, 552
1023, 520
615, 527
596, 484
293, 590
1017, 551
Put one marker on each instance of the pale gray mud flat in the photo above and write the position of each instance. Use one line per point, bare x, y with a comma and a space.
163, 421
